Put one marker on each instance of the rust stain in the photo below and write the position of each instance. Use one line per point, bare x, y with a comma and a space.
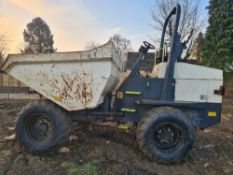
71, 88
66, 88
75, 87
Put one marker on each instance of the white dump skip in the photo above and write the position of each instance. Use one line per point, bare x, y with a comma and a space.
73, 80
194, 83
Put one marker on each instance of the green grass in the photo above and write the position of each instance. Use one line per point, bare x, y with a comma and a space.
89, 168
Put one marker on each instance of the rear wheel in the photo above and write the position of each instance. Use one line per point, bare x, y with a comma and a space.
42, 127
165, 135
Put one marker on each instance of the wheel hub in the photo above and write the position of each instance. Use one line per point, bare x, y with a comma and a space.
39, 127
167, 136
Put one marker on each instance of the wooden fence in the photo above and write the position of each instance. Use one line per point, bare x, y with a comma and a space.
8, 81
10, 88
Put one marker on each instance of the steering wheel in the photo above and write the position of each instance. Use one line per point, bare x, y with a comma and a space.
148, 45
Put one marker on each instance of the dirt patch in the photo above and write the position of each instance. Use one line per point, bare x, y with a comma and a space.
115, 151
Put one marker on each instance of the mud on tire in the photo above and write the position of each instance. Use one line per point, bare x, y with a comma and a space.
42, 127
165, 135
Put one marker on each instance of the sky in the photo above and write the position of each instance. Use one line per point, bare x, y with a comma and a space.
74, 23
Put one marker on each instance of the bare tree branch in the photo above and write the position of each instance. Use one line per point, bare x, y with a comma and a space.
3, 44
190, 17
123, 45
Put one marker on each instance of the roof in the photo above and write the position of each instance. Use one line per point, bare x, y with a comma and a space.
147, 64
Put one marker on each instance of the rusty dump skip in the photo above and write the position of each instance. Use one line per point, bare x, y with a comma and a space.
73, 80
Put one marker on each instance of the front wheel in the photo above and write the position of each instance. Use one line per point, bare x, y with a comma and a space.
42, 128
166, 135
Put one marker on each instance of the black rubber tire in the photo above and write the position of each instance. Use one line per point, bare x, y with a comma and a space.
60, 123
153, 119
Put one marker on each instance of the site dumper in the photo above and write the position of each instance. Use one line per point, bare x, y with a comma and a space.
166, 109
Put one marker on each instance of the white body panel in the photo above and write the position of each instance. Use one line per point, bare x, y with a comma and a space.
194, 83
73, 80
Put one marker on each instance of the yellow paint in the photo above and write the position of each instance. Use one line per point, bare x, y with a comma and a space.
124, 126
212, 114
120, 95
128, 110
133, 93
57, 98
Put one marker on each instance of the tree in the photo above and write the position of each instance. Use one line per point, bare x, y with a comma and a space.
1, 57
38, 37
197, 46
2, 48
123, 46
218, 45
190, 23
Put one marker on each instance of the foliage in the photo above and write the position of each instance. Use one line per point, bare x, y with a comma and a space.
227, 76
89, 168
38, 37
218, 46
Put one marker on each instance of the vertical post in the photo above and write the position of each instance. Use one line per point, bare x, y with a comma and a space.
168, 86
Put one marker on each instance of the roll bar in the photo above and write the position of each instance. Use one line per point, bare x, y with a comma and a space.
168, 86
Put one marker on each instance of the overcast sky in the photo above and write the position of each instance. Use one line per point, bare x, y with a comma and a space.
76, 22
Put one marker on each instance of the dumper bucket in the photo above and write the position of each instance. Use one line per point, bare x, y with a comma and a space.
73, 80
